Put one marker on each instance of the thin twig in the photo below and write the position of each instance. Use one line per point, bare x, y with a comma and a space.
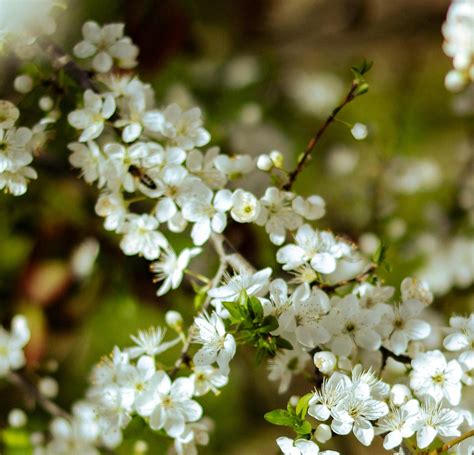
315, 139
450, 444
50, 407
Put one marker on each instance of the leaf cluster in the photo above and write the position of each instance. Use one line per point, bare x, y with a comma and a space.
254, 328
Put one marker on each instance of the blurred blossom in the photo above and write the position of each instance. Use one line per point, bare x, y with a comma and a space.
17, 418
83, 258
48, 387
241, 71
342, 160
314, 93
251, 113
368, 243
396, 228
407, 175
181, 95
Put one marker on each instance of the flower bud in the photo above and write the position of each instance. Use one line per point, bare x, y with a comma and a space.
277, 158
48, 387
399, 394
368, 243
325, 361
264, 162
23, 83
359, 131
46, 103
174, 320
294, 400
17, 418
455, 81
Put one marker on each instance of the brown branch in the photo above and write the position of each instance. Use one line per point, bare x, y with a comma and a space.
450, 444
315, 139
61, 60
50, 407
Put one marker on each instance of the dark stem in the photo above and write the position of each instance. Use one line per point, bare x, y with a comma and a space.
315, 139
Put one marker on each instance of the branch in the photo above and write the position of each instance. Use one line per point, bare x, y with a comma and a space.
61, 60
50, 407
315, 139
452, 443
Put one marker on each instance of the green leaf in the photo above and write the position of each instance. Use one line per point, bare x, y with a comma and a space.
363, 68
269, 324
256, 308
283, 343
243, 297
303, 429
380, 253
280, 417
234, 310
302, 405
361, 89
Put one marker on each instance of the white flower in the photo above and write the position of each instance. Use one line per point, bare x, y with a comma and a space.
207, 378
14, 152
433, 375
234, 166
311, 208
150, 342
23, 83
245, 206
298, 447
89, 159
204, 167
112, 207
168, 404
170, 267
370, 295
351, 326
183, 129
285, 364
208, 214
434, 420
462, 339
401, 325
303, 317
12, 343
400, 423
141, 237
331, 393
92, 116
413, 289
218, 346
277, 214
9, 114
254, 284
16, 181
106, 44
319, 248
354, 413
195, 433
264, 163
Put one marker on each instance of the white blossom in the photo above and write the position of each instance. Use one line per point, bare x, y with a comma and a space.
433, 375
218, 346
207, 378
106, 45
245, 206
461, 338
92, 116
12, 343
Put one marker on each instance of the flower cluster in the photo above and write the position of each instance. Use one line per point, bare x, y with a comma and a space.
12, 356
458, 31
16, 151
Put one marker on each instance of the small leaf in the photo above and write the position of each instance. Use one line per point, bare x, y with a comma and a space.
361, 89
303, 428
283, 343
257, 308
280, 417
302, 405
269, 324
234, 310
243, 297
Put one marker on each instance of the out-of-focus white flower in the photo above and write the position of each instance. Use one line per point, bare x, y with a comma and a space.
433, 375
342, 160
111, 206
241, 71
458, 31
170, 267
9, 114
218, 346
91, 117
12, 343
234, 166
299, 447
105, 46
141, 236
17, 418
414, 289
48, 387
23, 84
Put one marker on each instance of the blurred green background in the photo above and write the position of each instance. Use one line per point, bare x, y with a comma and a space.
266, 73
